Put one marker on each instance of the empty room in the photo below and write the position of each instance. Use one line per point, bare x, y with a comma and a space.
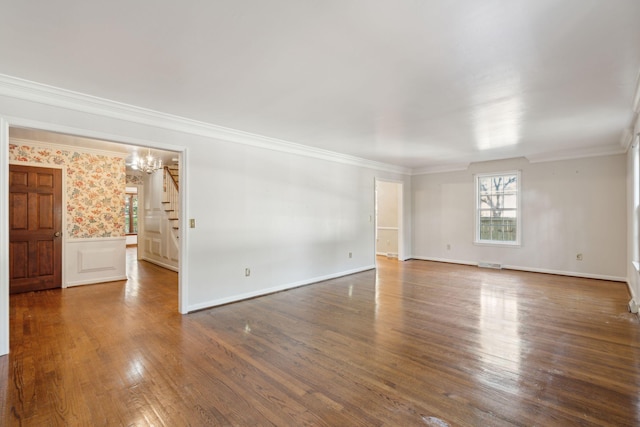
336, 213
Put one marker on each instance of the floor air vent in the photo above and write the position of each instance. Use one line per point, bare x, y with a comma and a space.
490, 265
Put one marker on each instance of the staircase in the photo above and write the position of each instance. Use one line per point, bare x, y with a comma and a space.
173, 171
171, 197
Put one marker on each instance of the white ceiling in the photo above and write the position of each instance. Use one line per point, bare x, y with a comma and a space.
414, 83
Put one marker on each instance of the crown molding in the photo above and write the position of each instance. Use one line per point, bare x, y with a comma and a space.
454, 167
626, 139
49, 95
636, 98
581, 153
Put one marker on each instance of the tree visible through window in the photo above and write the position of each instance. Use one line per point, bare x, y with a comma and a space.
131, 213
497, 208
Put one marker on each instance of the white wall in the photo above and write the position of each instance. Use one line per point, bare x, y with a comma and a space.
290, 219
568, 207
290, 214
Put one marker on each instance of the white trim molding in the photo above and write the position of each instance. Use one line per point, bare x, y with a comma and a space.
36, 92
95, 260
445, 260
453, 167
636, 98
274, 289
4, 243
529, 269
566, 273
583, 153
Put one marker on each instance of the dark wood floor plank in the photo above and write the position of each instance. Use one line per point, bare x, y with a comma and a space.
413, 343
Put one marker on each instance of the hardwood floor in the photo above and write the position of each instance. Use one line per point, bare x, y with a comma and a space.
414, 343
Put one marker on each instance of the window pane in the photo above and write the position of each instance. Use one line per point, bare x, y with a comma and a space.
131, 213
484, 185
497, 184
497, 207
509, 213
510, 183
126, 214
496, 202
134, 210
485, 202
510, 201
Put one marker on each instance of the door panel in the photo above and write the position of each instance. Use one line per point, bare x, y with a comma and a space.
35, 226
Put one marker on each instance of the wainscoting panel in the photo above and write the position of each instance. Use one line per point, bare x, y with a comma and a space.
96, 260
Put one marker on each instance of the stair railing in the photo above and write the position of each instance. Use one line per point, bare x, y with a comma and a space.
171, 197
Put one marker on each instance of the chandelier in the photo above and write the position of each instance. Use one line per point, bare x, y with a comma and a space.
148, 163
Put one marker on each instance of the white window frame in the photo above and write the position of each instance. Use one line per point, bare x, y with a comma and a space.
477, 239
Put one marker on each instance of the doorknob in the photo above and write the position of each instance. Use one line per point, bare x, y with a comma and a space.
57, 234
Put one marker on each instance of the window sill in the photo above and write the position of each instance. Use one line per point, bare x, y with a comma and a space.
498, 244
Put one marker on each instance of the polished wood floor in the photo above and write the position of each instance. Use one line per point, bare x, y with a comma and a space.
411, 344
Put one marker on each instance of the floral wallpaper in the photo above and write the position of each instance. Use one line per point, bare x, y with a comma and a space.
134, 180
95, 188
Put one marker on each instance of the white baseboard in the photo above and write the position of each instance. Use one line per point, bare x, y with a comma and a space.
94, 281
271, 290
566, 273
161, 264
530, 269
447, 260
388, 254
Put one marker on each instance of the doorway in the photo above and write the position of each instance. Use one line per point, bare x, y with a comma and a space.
68, 146
132, 224
35, 228
389, 219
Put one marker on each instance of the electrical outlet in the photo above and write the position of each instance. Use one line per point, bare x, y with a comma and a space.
350, 255
579, 257
247, 272
192, 223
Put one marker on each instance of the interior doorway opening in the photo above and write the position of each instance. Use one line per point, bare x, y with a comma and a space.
95, 209
389, 219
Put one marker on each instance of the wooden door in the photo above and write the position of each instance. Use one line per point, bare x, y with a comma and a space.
35, 228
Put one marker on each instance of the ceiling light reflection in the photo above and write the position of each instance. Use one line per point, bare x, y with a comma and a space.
499, 109
498, 123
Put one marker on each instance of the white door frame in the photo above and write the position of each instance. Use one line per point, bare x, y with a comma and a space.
4, 236
401, 249
5, 124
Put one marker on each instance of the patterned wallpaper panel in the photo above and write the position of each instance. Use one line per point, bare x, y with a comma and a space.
134, 179
95, 188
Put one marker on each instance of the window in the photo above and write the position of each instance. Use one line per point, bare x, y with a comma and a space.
498, 208
131, 213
